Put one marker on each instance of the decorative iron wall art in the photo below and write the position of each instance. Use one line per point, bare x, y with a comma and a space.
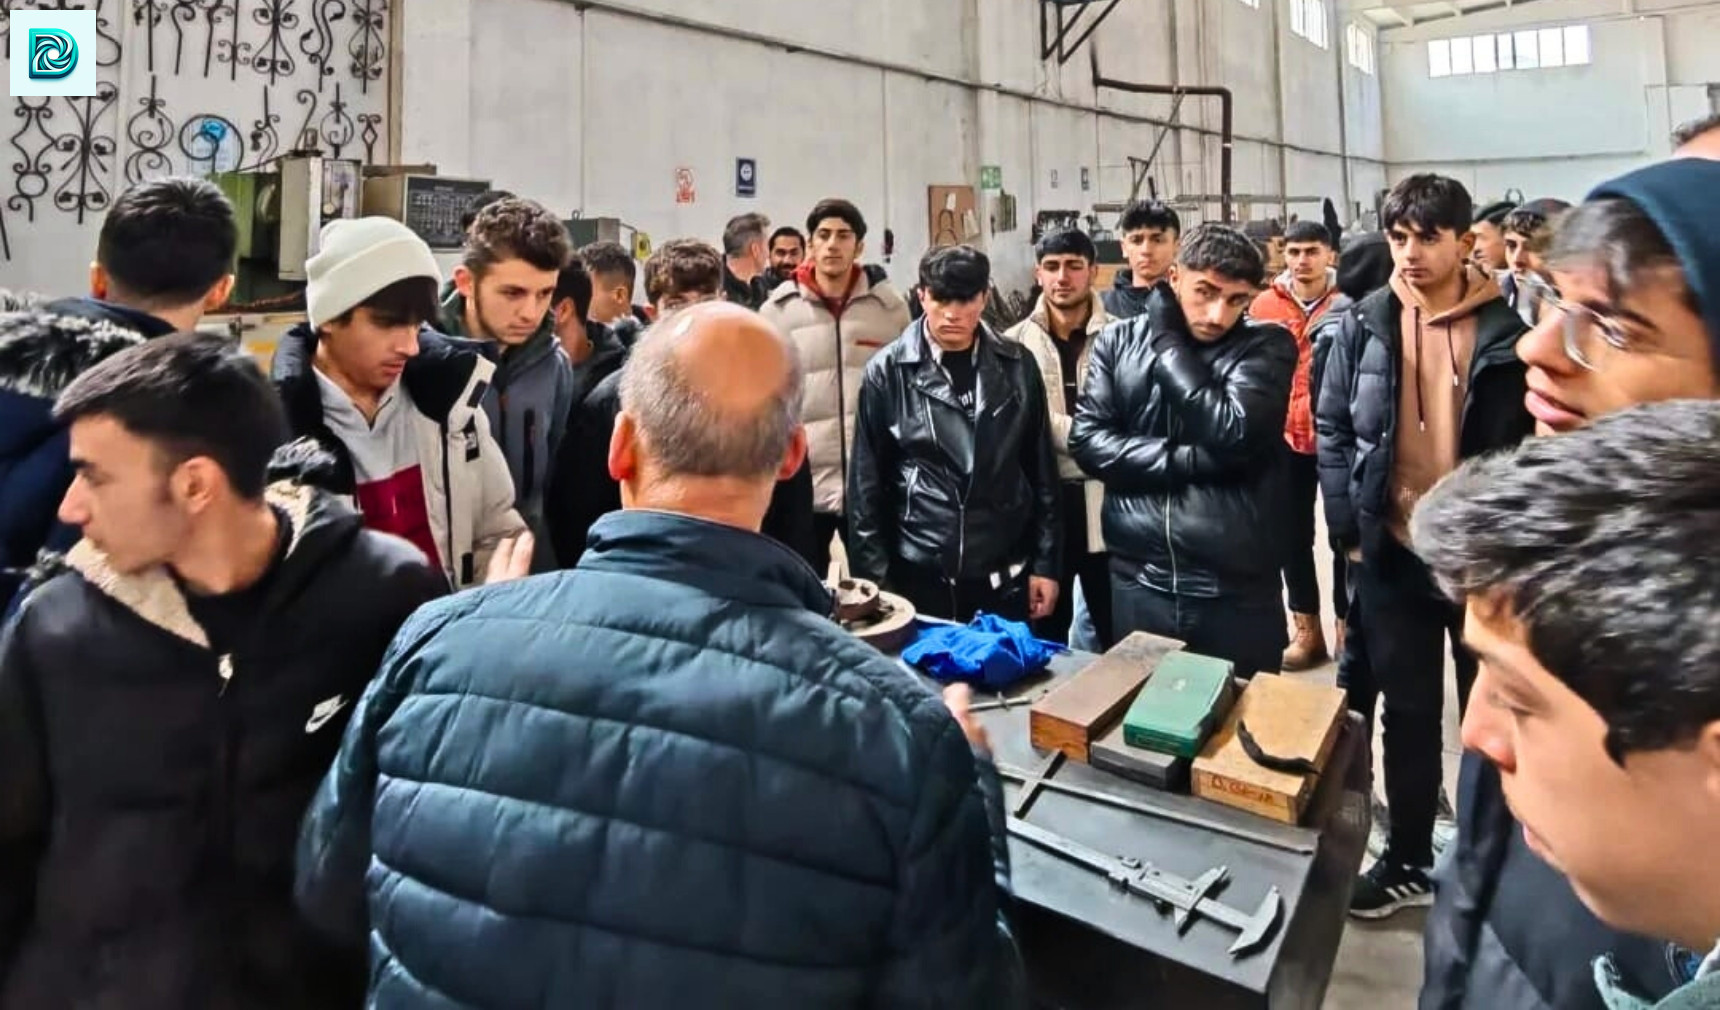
186, 87
147, 133
317, 45
368, 49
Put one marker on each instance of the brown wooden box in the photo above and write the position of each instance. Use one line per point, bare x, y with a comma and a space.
1287, 718
1080, 709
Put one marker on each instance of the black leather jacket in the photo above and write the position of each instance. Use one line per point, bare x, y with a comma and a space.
1188, 438
930, 487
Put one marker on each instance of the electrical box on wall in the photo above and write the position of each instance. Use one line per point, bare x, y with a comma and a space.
313, 192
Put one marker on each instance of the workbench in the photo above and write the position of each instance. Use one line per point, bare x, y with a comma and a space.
1088, 946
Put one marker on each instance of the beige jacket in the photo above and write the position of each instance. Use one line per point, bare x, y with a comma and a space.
834, 354
1034, 333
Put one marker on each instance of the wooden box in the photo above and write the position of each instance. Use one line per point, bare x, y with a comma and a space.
1080, 709
1287, 718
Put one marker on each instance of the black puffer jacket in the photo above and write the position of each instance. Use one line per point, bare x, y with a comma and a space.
1187, 437
1356, 413
1124, 300
151, 790
929, 486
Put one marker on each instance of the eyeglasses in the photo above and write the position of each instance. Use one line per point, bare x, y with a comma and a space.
1584, 330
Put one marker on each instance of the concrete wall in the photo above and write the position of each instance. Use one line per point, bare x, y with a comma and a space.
871, 101
1551, 132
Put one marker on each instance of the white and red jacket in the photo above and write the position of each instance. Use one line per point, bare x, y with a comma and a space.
426, 467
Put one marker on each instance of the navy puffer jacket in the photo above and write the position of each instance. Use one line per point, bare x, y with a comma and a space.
665, 778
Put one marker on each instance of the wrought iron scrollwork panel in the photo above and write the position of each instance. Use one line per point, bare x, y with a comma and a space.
89, 153
148, 132
368, 48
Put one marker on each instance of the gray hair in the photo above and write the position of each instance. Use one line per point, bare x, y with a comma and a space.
1601, 543
690, 435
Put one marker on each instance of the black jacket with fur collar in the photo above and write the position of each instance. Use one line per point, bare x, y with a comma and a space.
151, 790
43, 347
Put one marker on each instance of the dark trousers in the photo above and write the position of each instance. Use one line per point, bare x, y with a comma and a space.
1092, 570
825, 525
1245, 628
1301, 583
933, 595
1395, 646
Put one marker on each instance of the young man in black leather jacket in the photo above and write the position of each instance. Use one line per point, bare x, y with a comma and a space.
953, 496
1182, 419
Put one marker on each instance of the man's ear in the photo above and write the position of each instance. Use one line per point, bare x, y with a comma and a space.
623, 449
195, 482
217, 296
1174, 274
859, 249
464, 280
1708, 749
98, 282
795, 457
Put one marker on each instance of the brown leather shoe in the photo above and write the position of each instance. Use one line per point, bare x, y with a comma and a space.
1308, 648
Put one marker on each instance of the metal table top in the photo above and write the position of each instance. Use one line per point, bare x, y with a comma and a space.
1315, 884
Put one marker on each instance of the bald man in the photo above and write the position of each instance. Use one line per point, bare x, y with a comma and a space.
666, 776
1699, 138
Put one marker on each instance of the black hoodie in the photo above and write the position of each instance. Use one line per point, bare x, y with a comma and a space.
151, 788
1125, 300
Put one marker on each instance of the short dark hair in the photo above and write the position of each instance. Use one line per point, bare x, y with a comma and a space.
1065, 242
787, 231
191, 394
408, 300
955, 273
1223, 250
1150, 214
1695, 129
842, 210
516, 229
574, 283
743, 230
683, 265
1494, 213
1308, 231
609, 259
1428, 203
1585, 539
478, 203
1534, 221
1616, 236
166, 242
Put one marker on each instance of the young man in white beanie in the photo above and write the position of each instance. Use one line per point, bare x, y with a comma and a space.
399, 406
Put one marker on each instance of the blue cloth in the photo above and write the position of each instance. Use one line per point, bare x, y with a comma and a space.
664, 776
989, 651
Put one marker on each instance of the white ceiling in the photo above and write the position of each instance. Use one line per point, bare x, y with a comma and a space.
1404, 14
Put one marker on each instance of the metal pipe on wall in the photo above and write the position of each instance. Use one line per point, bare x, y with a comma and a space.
1225, 134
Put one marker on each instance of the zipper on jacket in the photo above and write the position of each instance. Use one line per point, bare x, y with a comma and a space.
841, 403
531, 453
1171, 549
454, 564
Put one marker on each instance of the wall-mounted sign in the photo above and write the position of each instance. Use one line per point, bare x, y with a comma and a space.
746, 177
991, 177
685, 191
1086, 180
1054, 178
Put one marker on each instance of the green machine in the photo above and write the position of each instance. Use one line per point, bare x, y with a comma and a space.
281, 210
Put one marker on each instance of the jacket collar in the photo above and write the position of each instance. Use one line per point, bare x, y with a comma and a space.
1041, 315
917, 344
1497, 326
43, 349
510, 362
447, 379
721, 560
154, 596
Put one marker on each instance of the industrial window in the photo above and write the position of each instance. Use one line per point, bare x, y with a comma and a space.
1531, 49
1360, 43
1252, 3
1308, 20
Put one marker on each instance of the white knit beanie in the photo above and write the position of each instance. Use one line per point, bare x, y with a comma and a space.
358, 258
